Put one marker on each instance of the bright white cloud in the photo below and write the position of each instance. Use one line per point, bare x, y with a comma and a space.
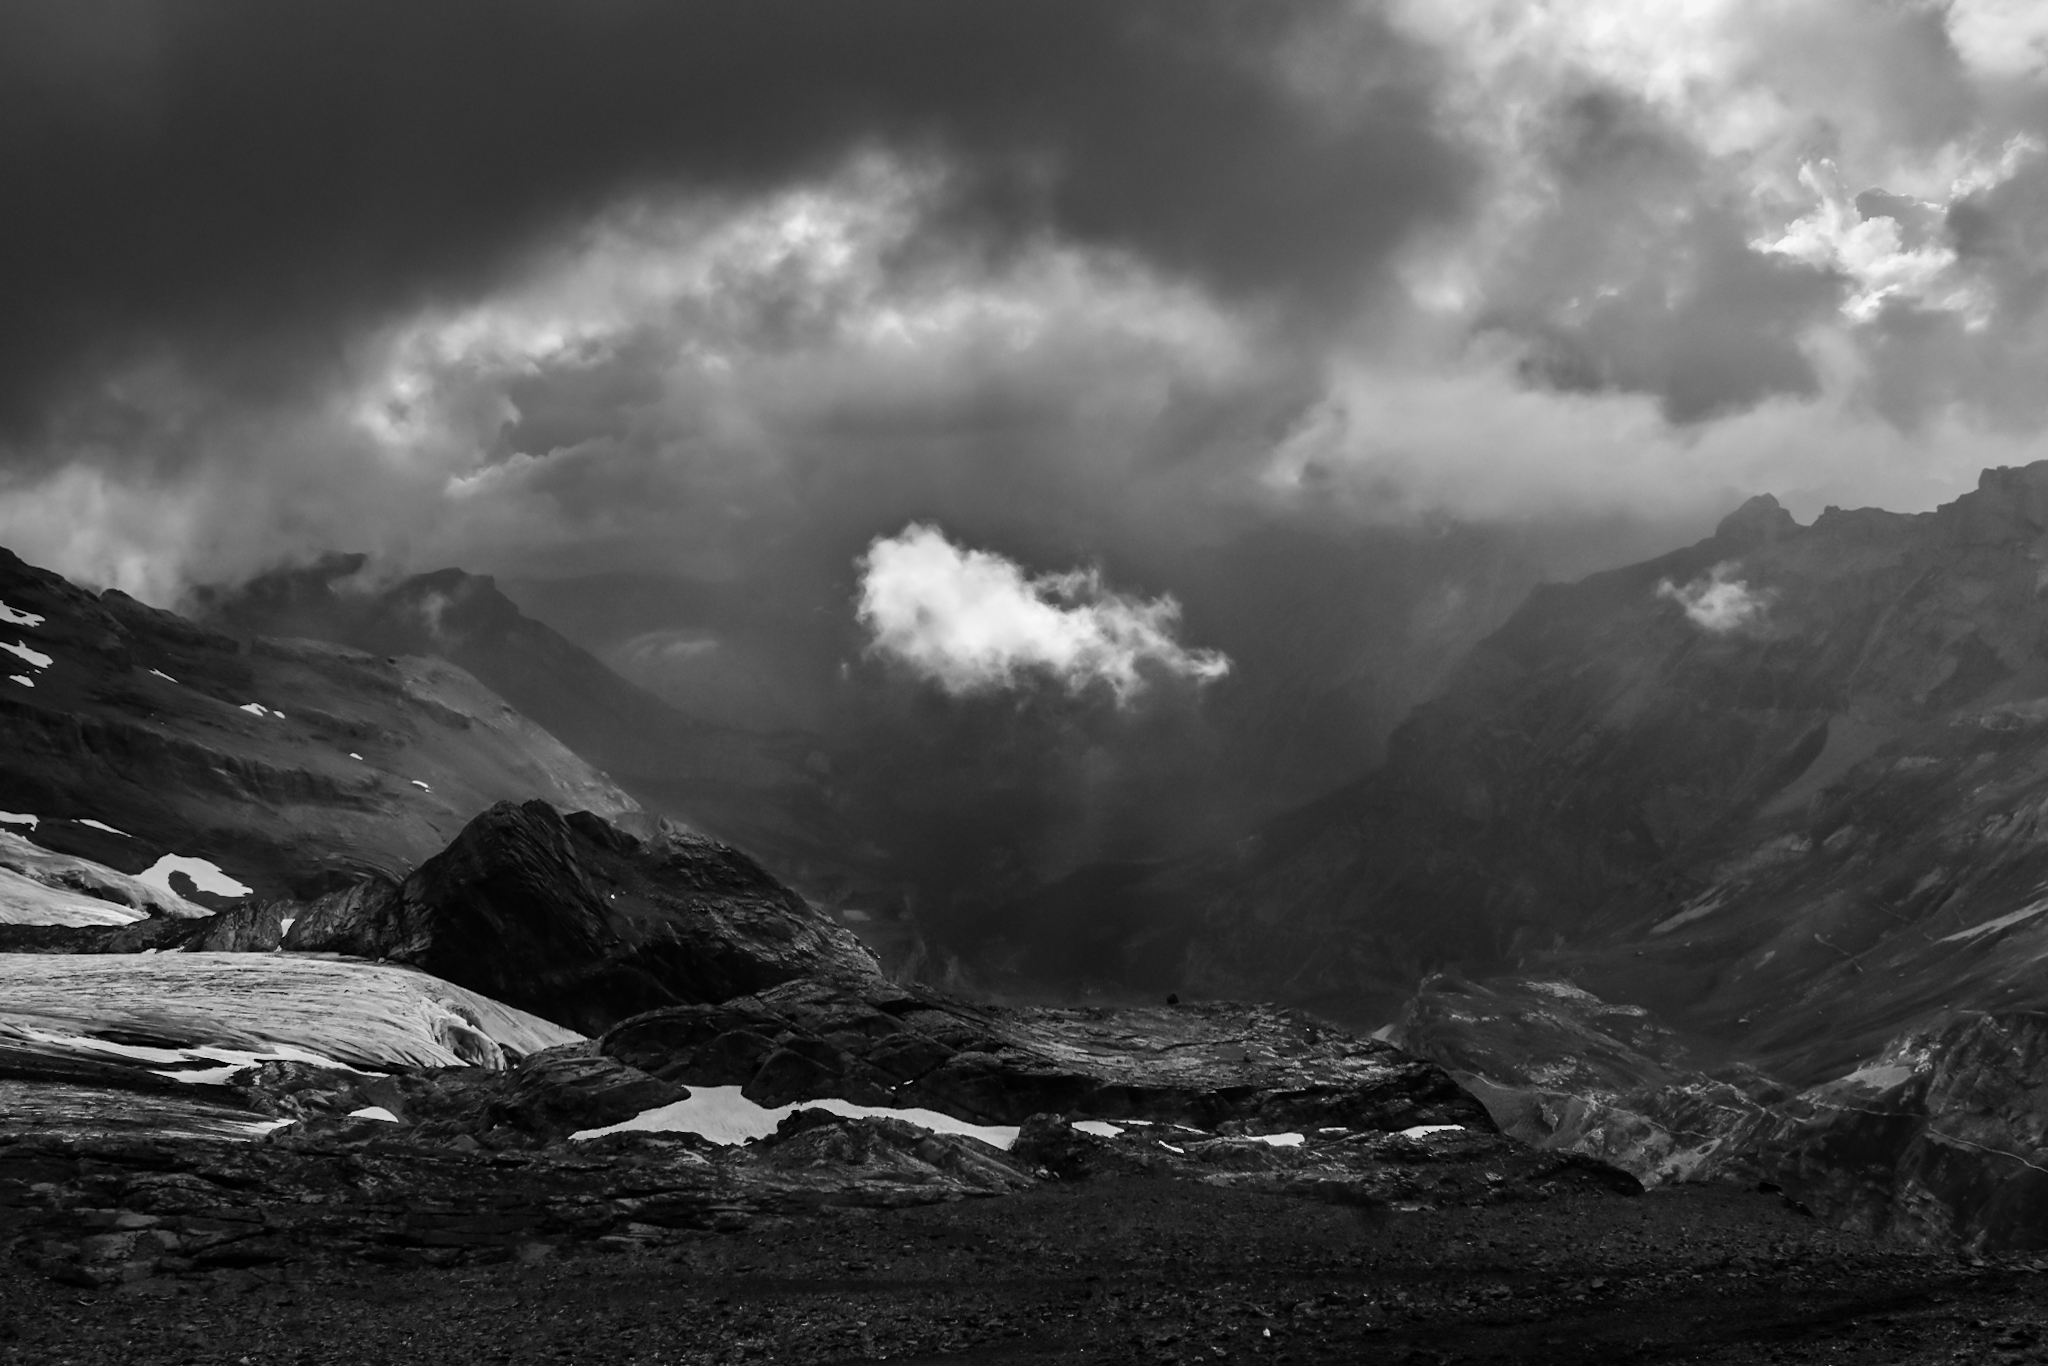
2000, 37
972, 621
1875, 252
1870, 251
1716, 602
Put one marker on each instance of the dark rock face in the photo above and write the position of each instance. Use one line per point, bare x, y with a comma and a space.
582, 922
1199, 1065
1937, 1140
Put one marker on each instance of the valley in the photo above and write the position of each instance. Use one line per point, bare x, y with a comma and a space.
1669, 994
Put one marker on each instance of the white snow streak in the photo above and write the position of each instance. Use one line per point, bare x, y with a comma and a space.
102, 825
205, 875
14, 616
722, 1115
1992, 926
19, 818
24, 681
173, 1062
35, 657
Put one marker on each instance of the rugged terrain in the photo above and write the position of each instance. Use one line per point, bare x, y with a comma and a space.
132, 735
1715, 872
767, 791
1769, 803
1122, 1270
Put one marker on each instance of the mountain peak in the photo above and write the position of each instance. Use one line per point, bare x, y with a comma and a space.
1759, 521
2009, 499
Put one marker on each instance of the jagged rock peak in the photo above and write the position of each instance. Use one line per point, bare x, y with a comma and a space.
1759, 521
2012, 499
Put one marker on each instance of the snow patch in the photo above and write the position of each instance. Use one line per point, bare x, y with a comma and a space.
25, 682
421, 786
164, 676
374, 1112
722, 1115
205, 875
1880, 1076
102, 825
1699, 907
176, 1063
35, 657
19, 818
258, 709
1277, 1140
1425, 1130
355, 756
14, 616
1169, 1147
285, 923
1101, 1128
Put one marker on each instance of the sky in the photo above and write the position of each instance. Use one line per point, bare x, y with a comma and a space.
1126, 327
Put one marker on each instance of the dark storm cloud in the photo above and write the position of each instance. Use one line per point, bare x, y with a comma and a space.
1641, 280
242, 182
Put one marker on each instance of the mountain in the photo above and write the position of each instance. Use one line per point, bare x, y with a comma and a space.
1782, 782
764, 791
1773, 804
143, 747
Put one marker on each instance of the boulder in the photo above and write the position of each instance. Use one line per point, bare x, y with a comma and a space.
585, 923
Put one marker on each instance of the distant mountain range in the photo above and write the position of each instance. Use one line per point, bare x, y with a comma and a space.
1728, 864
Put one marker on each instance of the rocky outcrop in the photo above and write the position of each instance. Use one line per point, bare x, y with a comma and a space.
581, 921
1199, 1065
1942, 1138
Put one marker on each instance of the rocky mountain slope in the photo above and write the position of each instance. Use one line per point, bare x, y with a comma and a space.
763, 791
217, 769
1771, 802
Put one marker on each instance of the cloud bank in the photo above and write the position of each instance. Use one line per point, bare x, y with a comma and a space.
972, 621
1343, 320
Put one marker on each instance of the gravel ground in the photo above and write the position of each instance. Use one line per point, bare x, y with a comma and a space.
1137, 1270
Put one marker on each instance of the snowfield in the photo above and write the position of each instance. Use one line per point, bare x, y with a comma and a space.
205, 875
722, 1115
39, 886
372, 1016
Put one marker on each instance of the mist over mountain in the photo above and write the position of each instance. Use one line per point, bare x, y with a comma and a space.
1390, 649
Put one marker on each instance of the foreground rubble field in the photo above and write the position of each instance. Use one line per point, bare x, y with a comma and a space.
1117, 1269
